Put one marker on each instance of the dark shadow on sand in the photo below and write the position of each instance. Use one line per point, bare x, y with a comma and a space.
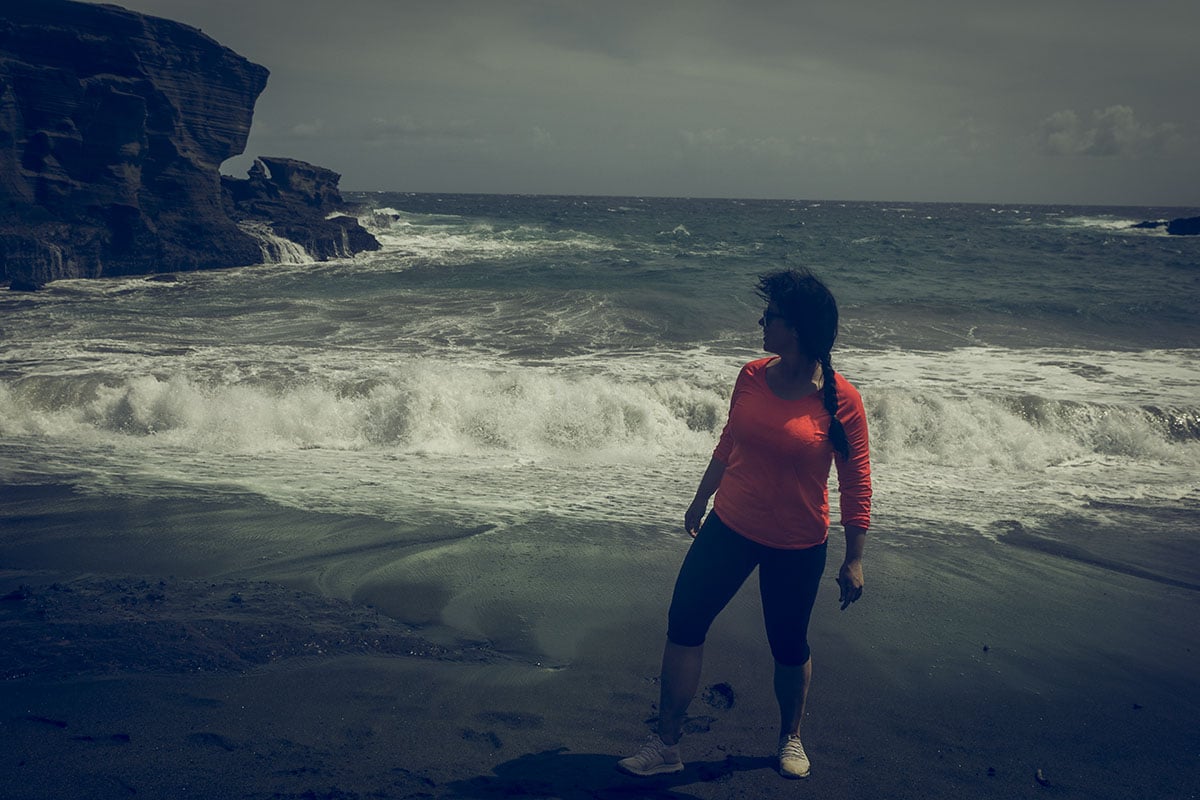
1018, 537
594, 776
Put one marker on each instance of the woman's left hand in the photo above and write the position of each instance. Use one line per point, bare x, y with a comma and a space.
850, 580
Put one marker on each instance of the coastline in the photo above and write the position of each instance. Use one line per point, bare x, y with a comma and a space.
969, 666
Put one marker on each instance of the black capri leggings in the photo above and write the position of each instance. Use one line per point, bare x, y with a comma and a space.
717, 565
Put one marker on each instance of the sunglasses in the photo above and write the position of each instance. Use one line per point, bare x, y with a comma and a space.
768, 316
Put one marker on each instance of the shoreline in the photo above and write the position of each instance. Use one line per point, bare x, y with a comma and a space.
968, 666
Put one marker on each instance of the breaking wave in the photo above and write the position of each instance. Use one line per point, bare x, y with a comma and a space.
454, 409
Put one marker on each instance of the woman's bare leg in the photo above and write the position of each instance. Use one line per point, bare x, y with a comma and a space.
679, 681
791, 690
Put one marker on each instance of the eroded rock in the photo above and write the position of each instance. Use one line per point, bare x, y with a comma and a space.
113, 128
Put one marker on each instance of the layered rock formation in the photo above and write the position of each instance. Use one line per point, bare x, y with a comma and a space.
113, 128
299, 202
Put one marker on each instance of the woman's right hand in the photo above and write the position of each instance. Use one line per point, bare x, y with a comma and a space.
694, 516
708, 486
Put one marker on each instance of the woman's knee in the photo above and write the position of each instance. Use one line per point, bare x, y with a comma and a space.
687, 627
790, 652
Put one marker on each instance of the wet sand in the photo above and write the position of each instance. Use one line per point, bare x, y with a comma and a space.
212, 667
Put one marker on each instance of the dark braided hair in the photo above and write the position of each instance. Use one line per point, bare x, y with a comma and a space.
809, 308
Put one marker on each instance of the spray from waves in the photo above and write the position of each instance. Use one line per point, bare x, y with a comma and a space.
447, 240
400, 442
419, 409
275, 248
1020, 433
452, 410
450, 239
1112, 225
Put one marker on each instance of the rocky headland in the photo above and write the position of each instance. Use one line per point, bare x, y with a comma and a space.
113, 129
284, 198
1183, 226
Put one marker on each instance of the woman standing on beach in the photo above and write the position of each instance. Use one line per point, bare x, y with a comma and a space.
790, 417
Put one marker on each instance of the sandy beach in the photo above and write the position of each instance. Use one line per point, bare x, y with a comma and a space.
970, 669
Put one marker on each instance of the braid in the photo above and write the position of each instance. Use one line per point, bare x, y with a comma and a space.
837, 434
811, 310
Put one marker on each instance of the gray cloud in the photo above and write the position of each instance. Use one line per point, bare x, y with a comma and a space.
407, 129
832, 99
308, 130
1111, 132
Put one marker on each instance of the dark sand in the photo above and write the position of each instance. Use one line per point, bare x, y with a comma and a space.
970, 668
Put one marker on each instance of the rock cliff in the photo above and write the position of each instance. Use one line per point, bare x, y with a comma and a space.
299, 202
113, 128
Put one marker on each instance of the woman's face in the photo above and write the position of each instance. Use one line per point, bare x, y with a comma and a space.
778, 335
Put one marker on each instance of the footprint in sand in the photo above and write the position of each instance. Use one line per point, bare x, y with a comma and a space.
207, 739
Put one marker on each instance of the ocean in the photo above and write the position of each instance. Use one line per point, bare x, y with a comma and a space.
521, 392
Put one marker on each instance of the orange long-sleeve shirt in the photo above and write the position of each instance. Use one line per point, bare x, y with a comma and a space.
777, 456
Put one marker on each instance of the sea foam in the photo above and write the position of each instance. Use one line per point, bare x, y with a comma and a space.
431, 407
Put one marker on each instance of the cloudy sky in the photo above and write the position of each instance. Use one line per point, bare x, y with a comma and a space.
1022, 101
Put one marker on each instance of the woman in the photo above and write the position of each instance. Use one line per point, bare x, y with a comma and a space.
790, 417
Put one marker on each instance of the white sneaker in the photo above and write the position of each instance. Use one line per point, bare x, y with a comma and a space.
655, 758
793, 761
